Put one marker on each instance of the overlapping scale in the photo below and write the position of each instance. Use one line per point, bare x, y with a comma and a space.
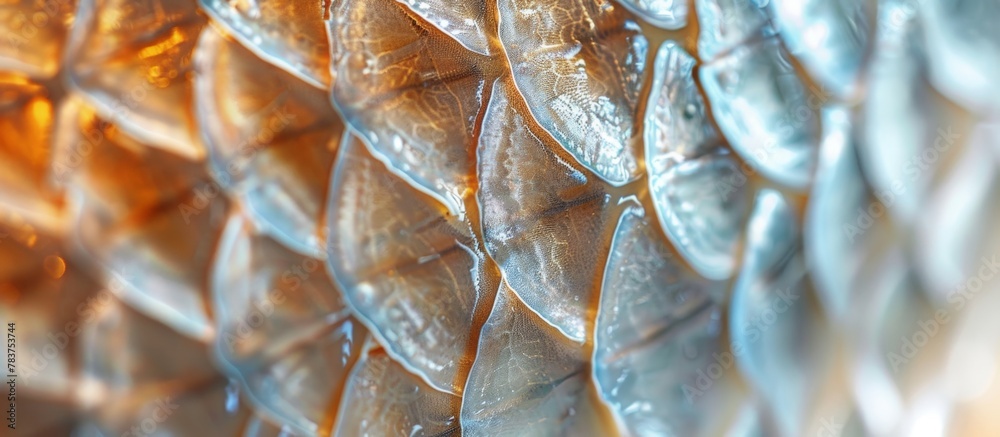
271, 138
170, 384
544, 221
382, 398
901, 120
87, 141
182, 412
703, 206
528, 379
676, 125
700, 193
148, 217
958, 243
963, 44
303, 386
775, 334
854, 264
831, 37
837, 225
764, 110
725, 24
35, 34
659, 329
412, 77
132, 61
882, 310
27, 129
462, 20
48, 301
667, 14
579, 66
116, 354
858, 268
413, 272
410, 92
288, 33
283, 328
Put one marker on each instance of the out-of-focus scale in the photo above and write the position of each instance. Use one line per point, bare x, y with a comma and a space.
501, 217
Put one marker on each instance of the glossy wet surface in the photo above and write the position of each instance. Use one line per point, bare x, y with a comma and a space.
501, 217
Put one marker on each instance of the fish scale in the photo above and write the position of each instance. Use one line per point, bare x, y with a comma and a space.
501, 217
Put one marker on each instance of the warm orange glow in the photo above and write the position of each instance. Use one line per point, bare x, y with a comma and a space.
41, 112
175, 38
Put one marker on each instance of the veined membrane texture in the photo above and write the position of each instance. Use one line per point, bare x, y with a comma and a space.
501, 217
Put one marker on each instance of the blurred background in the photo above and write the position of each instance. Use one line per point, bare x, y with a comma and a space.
491, 217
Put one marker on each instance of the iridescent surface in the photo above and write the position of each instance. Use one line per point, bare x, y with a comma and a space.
699, 191
528, 379
288, 33
900, 121
135, 199
271, 138
703, 202
677, 126
964, 42
459, 19
726, 24
879, 398
956, 239
382, 398
579, 67
34, 35
834, 231
668, 14
412, 272
132, 61
402, 217
547, 231
411, 94
284, 329
703, 207
127, 378
764, 110
658, 326
774, 336
829, 36
856, 270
